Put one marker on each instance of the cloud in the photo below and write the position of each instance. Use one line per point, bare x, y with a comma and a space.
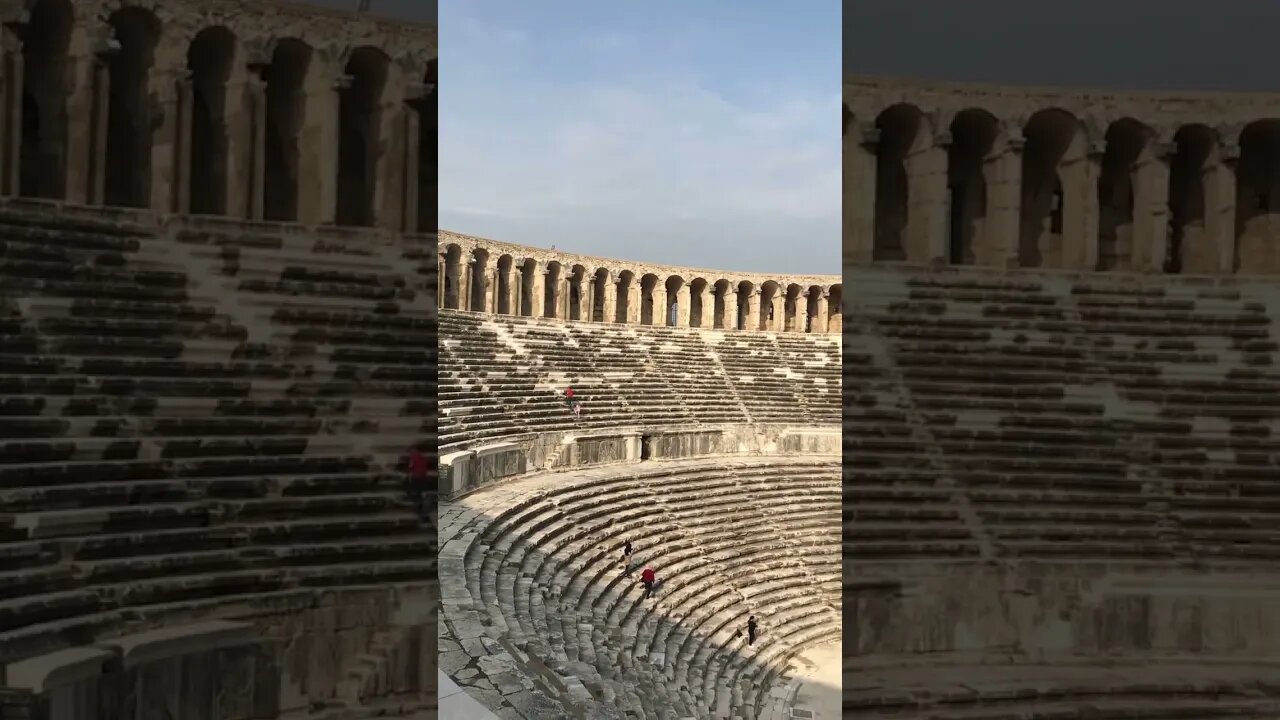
652, 164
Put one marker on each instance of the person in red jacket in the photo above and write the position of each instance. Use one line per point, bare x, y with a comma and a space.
647, 577
419, 469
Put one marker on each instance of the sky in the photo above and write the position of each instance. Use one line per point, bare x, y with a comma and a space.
1121, 44
701, 134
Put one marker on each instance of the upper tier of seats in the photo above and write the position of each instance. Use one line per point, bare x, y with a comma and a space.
503, 376
536, 565
194, 420
1056, 417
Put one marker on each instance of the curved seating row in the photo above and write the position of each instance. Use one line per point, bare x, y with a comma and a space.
505, 376
1057, 417
536, 565
190, 420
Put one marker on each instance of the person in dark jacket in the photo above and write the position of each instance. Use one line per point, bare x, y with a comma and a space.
647, 577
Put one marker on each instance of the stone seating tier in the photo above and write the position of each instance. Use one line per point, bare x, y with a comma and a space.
542, 568
193, 425
502, 377
1057, 417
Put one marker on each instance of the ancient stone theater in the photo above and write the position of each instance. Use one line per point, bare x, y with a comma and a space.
707, 439
217, 301
1062, 415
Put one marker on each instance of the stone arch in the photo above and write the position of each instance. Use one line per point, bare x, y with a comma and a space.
648, 285
503, 290
721, 291
623, 310
453, 277
1126, 140
551, 291
600, 296
528, 273
210, 58
1190, 247
43, 151
835, 308
478, 280
286, 79
360, 135
671, 309
745, 290
428, 151
791, 308
1054, 139
697, 301
770, 308
973, 136
1258, 197
129, 112
577, 293
902, 133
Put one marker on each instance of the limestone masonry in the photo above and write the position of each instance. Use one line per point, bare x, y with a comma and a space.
708, 438
217, 343
1061, 427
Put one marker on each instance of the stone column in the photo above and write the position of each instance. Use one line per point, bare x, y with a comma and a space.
1220, 205
587, 298
1003, 170
254, 135
682, 305
318, 156
12, 121
554, 291
751, 321
186, 114
465, 278
1151, 201
706, 307
1080, 216
820, 320
164, 85
779, 323
731, 309
409, 189
491, 292
96, 152
633, 302
537, 292
934, 205
860, 193
609, 301
441, 264
504, 285
562, 304
81, 110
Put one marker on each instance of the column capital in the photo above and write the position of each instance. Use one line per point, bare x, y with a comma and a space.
942, 140
1229, 152
342, 81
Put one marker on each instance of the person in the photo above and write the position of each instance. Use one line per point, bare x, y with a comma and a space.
626, 553
577, 409
568, 396
751, 630
417, 481
647, 577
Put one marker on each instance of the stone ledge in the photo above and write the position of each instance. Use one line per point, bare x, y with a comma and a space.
182, 640
64, 667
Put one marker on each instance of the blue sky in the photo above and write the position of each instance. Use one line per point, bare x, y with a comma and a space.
690, 133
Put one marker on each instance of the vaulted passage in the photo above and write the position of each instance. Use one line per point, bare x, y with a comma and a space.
1053, 142
973, 132
1126, 140
43, 154
286, 101
1189, 244
900, 131
129, 115
209, 61
359, 127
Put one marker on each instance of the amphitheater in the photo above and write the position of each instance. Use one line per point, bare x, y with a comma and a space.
217, 344
1061, 419
708, 439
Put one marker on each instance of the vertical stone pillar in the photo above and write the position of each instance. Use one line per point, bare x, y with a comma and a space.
101, 108
465, 278
562, 306
779, 323
163, 84
1220, 205
609, 302
1003, 169
587, 298
409, 189
682, 305
634, 302
1151, 198
12, 121
503, 285
490, 292
441, 265
860, 193
318, 144
1080, 216
255, 154
538, 293
934, 208
820, 320
81, 96
731, 309
751, 320
553, 289
186, 115
706, 307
